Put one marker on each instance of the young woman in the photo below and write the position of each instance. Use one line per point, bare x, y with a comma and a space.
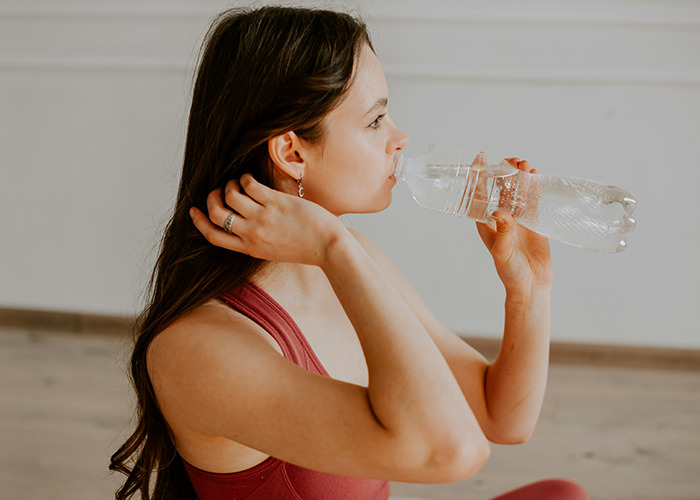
282, 355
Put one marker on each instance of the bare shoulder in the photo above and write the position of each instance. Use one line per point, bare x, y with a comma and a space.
361, 238
205, 360
399, 282
211, 324
455, 350
369, 246
199, 345
390, 270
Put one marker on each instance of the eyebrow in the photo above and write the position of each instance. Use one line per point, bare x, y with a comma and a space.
379, 104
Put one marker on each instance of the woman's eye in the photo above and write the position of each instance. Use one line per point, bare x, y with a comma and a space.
376, 123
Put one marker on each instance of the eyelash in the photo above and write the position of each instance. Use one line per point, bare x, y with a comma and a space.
376, 123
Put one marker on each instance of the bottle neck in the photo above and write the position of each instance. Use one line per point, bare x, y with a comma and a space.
400, 166
403, 165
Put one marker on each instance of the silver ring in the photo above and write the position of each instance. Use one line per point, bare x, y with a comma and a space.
228, 222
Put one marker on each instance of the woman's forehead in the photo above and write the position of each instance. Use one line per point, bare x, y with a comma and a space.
368, 85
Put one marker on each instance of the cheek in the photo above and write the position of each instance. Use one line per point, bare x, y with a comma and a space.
350, 173
345, 188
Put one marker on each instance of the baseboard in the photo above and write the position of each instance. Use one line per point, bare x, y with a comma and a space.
604, 355
64, 321
560, 352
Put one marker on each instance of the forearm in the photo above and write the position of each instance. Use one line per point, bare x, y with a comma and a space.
411, 388
515, 382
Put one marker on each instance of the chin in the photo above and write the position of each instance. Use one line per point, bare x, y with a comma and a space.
379, 205
387, 203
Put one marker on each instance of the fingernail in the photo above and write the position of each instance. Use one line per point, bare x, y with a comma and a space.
192, 212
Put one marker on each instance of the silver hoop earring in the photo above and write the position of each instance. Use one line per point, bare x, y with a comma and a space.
300, 188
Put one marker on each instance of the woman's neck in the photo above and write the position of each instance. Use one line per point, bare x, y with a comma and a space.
283, 275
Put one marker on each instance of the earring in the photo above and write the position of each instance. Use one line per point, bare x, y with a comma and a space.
300, 188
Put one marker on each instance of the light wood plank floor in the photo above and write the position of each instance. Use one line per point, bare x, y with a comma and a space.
624, 433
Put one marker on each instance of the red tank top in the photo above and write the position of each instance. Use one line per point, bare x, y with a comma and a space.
274, 479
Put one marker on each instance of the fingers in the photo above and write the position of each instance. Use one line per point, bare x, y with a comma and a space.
487, 234
218, 212
239, 201
523, 165
258, 192
503, 240
498, 240
238, 198
213, 233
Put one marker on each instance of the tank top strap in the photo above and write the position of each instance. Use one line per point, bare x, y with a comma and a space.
252, 301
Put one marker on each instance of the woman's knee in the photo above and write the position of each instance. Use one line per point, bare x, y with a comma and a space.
565, 489
548, 489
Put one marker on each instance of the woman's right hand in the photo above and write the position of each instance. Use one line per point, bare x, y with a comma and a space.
268, 224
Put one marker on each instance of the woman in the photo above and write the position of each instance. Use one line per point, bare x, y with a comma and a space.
234, 401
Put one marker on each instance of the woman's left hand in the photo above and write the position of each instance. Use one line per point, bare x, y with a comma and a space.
521, 256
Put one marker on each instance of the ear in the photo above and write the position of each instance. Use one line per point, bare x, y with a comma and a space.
287, 155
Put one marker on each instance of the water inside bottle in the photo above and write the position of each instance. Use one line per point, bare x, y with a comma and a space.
576, 211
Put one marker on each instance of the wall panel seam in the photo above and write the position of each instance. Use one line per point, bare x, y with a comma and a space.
441, 14
393, 71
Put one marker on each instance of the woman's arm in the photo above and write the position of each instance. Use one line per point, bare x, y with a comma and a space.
412, 422
506, 395
517, 375
515, 381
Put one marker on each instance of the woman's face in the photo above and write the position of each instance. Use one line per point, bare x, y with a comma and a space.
352, 169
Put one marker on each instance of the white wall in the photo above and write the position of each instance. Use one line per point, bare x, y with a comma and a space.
93, 98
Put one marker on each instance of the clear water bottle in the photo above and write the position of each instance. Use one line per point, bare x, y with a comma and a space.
575, 211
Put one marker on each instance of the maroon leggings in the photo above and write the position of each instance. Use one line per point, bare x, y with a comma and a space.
549, 489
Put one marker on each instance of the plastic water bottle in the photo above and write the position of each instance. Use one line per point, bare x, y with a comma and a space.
572, 210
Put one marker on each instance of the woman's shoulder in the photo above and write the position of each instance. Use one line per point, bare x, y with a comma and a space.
370, 247
360, 237
213, 314
379, 257
210, 325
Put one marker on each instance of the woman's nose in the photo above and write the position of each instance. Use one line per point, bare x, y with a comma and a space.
400, 140
403, 140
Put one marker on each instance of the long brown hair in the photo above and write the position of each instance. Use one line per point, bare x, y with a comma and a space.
261, 73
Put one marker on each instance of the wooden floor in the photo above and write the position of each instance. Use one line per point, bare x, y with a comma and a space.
624, 433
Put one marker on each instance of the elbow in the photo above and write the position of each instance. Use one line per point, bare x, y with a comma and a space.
459, 460
440, 456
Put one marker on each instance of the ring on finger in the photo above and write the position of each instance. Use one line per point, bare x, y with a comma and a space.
228, 222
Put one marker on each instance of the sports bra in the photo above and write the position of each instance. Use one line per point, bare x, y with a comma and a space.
274, 479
